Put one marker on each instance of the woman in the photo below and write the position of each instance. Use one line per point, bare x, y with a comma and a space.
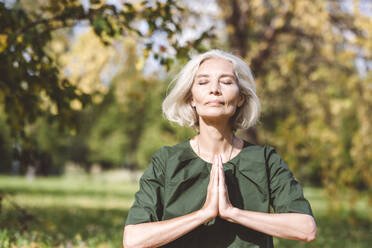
216, 189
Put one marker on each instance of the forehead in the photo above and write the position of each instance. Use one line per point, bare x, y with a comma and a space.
216, 65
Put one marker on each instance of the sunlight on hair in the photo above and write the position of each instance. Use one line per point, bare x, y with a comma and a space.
176, 106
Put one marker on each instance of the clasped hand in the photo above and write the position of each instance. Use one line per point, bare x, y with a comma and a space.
217, 202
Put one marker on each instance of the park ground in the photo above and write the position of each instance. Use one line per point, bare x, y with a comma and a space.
88, 210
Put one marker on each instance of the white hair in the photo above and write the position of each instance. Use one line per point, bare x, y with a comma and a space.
176, 106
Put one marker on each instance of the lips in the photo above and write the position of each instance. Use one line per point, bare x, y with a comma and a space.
215, 102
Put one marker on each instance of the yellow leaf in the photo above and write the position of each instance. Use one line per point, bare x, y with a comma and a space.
3, 42
139, 64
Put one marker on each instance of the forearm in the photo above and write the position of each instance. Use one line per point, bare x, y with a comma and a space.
284, 225
155, 234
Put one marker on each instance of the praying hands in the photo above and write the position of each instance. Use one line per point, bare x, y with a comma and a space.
217, 202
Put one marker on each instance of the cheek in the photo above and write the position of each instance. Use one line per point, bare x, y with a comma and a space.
197, 96
233, 95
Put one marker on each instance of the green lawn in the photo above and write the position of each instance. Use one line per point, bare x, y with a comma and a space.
89, 211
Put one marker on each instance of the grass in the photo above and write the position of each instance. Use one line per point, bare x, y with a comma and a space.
78, 211
336, 229
89, 211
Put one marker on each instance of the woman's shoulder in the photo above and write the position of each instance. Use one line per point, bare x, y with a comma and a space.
166, 152
258, 153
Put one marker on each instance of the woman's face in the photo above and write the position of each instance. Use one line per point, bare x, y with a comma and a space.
215, 90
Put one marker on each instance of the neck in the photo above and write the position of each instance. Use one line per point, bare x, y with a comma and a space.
215, 138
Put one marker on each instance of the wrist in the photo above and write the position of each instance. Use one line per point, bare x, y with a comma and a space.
230, 214
203, 215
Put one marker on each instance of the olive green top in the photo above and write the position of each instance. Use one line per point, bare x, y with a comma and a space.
176, 181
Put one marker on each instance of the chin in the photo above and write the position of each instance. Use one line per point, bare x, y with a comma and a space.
216, 115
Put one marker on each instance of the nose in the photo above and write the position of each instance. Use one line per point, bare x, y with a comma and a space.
215, 88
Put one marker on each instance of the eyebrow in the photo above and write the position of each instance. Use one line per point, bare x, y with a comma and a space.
222, 75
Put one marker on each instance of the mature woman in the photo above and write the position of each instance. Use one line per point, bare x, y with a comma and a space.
215, 190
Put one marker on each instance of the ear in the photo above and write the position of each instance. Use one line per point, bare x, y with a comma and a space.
241, 100
192, 102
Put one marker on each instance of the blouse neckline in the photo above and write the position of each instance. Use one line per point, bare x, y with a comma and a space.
233, 160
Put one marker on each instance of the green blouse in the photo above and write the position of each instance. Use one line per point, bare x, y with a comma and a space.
176, 181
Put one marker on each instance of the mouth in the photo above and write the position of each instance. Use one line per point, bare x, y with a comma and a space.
215, 103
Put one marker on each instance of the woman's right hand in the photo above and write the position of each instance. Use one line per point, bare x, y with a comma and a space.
210, 207
159, 233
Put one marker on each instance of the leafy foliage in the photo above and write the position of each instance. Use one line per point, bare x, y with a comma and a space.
31, 83
316, 101
115, 130
311, 60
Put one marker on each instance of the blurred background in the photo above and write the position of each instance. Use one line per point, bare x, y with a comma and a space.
81, 87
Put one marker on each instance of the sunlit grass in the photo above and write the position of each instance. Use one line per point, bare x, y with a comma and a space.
84, 191
341, 228
89, 211
80, 210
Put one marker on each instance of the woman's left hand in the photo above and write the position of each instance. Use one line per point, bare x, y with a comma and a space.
224, 205
283, 225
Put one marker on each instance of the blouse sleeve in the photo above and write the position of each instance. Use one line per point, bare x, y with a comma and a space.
285, 192
148, 206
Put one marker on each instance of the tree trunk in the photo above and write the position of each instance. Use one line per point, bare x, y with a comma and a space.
236, 16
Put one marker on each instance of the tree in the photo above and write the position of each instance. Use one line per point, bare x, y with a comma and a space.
115, 130
31, 83
316, 103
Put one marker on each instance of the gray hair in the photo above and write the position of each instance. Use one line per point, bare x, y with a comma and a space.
176, 106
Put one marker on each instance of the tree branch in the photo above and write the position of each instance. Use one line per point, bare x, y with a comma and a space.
62, 17
269, 38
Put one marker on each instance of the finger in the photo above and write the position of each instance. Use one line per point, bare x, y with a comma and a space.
211, 175
215, 161
221, 172
213, 171
221, 176
216, 177
213, 168
222, 185
217, 164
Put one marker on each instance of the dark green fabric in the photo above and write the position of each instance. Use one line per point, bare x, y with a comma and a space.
175, 184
